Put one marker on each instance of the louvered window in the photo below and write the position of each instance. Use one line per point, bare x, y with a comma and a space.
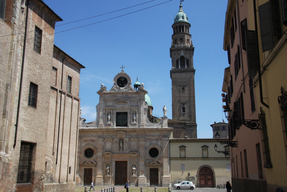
243, 33
252, 52
228, 54
236, 65
232, 35
270, 26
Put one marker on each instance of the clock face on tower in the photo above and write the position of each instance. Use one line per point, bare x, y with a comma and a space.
122, 81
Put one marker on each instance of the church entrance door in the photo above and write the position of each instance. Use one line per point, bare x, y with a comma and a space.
153, 176
121, 173
88, 176
206, 177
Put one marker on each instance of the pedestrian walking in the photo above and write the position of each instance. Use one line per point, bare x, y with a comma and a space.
92, 186
127, 186
228, 186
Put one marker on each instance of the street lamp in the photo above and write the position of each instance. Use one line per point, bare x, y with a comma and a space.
229, 143
225, 152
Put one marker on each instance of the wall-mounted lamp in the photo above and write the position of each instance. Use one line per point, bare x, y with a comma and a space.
226, 152
229, 143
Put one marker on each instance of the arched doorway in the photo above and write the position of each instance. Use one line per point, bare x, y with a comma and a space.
206, 177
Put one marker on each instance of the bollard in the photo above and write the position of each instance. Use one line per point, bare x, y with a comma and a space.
155, 189
85, 189
114, 189
141, 188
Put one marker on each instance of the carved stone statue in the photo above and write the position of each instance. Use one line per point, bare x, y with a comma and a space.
109, 117
164, 111
108, 169
134, 117
121, 145
134, 169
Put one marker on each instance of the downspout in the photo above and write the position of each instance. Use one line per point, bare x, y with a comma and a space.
258, 58
60, 110
21, 76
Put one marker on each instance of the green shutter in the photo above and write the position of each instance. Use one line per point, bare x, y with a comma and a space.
252, 52
266, 26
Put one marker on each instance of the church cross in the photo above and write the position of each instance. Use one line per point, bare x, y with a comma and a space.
122, 68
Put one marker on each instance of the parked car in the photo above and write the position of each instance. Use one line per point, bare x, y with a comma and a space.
184, 185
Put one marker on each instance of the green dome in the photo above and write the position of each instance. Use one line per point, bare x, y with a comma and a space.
137, 83
147, 100
180, 16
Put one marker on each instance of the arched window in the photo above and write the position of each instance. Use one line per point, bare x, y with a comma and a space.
182, 62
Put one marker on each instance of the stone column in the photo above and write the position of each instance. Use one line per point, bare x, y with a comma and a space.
141, 166
99, 157
165, 162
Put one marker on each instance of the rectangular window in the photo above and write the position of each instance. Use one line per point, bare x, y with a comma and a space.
69, 84
228, 167
216, 128
25, 163
259, 161
182, 166
204, 153
122, 119
246, 163
54, 76
182, 153
37, 40
223, 128
33, 92
2, 9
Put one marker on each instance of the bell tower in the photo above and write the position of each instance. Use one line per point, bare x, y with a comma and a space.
182, 77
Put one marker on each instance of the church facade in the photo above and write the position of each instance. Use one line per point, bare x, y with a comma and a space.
124, 142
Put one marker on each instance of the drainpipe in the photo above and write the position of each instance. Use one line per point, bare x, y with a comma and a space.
258, 58
59, 123
21, 76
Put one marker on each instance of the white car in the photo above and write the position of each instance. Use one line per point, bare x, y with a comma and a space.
184, 185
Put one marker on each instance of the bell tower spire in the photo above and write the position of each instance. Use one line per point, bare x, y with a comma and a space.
182, 75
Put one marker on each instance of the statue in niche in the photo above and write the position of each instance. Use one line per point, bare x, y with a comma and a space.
121, 145
109, 117
134, 116
108, 169
164, 111
134, 169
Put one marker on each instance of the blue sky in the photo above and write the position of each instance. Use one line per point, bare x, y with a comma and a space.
139, 38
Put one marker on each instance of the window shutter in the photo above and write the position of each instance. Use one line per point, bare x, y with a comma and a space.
228, 53
284, 11
243, 33
2, 9
252, 52
266, 26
